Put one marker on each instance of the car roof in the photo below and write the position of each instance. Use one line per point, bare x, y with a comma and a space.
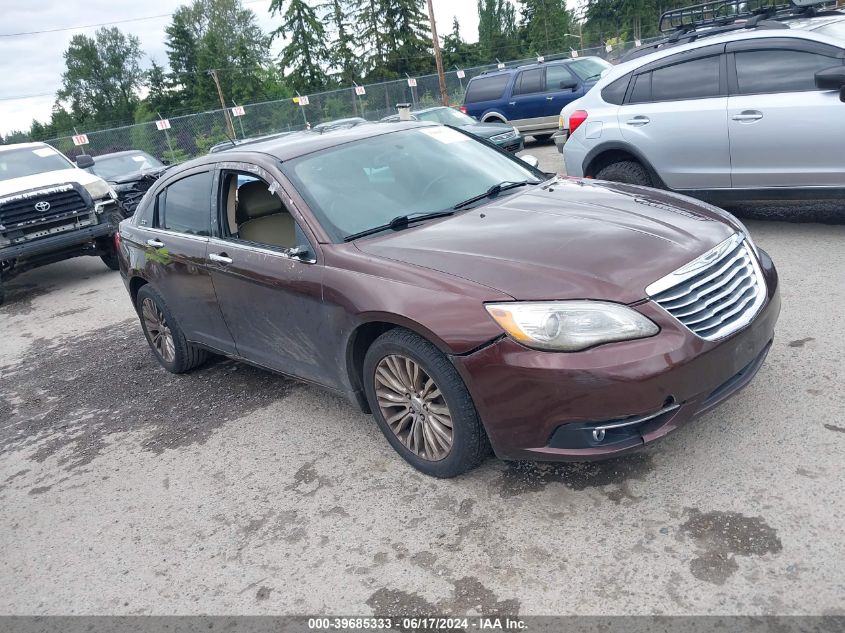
301, 143
730, 36
511, 69
7, 148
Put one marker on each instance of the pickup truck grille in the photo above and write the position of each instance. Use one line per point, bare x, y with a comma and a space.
716, 294
41, 206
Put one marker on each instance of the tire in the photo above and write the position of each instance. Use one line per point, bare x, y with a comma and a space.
111, 260
2, 293
541, 138
628, 171
469, 445
177, 357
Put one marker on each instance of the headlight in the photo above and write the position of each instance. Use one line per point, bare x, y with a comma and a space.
569, 326
516, 132
99, 189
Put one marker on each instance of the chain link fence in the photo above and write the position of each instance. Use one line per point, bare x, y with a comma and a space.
195, 134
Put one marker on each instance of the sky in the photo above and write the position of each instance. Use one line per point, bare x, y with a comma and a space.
31, 65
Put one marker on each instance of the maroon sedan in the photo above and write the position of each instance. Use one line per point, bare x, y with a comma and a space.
463, 297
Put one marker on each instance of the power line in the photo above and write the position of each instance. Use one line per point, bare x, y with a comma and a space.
91, 26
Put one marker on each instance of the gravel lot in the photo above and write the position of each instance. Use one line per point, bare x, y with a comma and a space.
126, 490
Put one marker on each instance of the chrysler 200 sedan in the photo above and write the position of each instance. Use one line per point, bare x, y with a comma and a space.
464, 298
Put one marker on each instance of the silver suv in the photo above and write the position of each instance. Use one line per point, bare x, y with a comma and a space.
742, 114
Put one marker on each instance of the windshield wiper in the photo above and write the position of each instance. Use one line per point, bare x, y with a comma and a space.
400, 222
495, 190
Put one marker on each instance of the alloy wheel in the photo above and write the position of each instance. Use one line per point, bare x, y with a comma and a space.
413, 407
161, 337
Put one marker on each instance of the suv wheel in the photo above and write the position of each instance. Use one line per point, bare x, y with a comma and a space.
172, 350
628, 171
422, 406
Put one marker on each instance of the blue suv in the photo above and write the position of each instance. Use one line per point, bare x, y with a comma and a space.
530, 97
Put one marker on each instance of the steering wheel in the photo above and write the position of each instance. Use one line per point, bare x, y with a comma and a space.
431, 184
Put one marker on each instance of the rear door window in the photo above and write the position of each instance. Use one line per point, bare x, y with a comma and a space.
695, 79
779, 70
185, 205
486, 88
615, 91
528, 82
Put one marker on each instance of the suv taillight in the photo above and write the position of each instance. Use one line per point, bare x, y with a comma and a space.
463, 109
576, 119
117, 240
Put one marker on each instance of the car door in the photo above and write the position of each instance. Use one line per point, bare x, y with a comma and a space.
562, 87
675, 115
784, 132
175, 242
271, 300
528, 102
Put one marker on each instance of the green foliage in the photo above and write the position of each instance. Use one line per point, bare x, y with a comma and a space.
304, 56
544, 25
497, 32
102, 76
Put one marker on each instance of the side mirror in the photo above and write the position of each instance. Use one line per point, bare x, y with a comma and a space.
531, 160
568, 84
84, 161
298, 252
831, 78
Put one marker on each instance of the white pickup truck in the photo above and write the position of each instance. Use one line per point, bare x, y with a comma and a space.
52, 209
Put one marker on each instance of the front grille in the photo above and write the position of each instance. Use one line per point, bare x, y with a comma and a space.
20, 210
503, 136
715, 294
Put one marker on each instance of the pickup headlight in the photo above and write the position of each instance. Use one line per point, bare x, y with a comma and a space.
99, 189
569, 326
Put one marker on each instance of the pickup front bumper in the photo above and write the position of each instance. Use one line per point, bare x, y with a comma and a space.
60, 242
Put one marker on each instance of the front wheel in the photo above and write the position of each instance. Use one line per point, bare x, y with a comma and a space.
172, 350
422, 406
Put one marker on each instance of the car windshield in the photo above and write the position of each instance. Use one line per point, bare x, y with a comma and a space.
446, 116
589, 68
109, 167
17, 163
363, 184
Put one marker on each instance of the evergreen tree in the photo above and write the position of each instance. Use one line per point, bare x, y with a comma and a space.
457, 52
408, 37
544, 23
497, 32
372, 43
305, 53
341, 53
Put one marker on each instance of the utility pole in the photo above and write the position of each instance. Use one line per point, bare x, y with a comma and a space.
438, 57
229, 124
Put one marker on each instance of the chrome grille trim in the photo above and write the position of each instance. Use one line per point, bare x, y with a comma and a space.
504, 136
717, 293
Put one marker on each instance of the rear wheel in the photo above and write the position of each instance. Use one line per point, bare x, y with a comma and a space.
628, 171
422, 406
170, 347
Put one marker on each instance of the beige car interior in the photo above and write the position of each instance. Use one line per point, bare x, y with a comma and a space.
256, 215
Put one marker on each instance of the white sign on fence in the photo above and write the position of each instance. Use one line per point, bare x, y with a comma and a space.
238, 111
360, 91
501, 65
574, 54
301, 100
608, 48
412, 82
540, 59
80, 139
163, 124
637, 43
461, 74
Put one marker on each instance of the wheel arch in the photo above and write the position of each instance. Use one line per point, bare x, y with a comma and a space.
135, 285
608, 153
493, 115
363, 336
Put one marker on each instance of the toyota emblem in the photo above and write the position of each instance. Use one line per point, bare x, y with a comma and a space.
42, 206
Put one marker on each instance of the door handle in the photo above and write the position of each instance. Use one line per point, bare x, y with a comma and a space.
748, 115
511, 102
549, 98
220, 258
155, 243
638, 120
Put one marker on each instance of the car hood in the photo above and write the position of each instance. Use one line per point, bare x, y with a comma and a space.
570, 239
486, 130
47, 179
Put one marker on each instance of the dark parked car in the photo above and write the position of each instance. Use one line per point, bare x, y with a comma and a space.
130, 173
530, 97
505, 136
457, 293
338, 124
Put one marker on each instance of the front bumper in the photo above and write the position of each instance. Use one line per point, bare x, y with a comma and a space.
543, 405
512, 145
61, 241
